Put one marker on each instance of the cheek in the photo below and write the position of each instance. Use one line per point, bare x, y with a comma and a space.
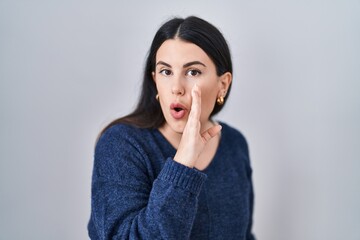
162, 88
209, 90
208, 99
161, 91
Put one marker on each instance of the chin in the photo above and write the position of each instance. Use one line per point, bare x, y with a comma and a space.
177, 127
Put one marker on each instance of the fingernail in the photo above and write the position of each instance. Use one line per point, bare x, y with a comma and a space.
196, 89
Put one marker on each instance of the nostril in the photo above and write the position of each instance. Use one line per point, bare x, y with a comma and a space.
178, 91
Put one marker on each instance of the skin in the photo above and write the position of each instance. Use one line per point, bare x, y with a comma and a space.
185, 74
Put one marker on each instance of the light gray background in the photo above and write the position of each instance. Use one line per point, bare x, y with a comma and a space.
69, 67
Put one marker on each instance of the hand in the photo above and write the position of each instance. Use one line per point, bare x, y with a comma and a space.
193, 142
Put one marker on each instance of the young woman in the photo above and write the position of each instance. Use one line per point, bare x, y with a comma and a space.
167, 170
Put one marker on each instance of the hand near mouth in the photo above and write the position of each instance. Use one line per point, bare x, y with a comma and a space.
193, 142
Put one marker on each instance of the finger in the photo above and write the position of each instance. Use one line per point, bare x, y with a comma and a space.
211, 132
195, 111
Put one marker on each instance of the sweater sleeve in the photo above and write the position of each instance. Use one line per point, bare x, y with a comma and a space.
126, 204
249, 234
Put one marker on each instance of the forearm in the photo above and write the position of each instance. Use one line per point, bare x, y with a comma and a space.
168, 212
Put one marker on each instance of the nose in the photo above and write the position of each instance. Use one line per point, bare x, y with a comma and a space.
178, 87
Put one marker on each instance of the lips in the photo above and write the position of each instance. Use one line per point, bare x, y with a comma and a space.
177, 110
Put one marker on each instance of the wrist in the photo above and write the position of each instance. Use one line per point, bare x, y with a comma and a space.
180, 160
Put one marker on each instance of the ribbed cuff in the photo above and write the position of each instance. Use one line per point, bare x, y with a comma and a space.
182, 176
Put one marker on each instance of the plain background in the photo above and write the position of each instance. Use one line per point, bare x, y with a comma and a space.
67, 68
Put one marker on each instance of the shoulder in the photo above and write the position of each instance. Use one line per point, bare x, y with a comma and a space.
233, 134
122, 133
235, 144
120, 148
122, 139
234, 138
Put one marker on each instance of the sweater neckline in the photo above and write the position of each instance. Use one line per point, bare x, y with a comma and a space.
213, 160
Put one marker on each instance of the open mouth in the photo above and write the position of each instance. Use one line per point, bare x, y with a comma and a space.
177, 110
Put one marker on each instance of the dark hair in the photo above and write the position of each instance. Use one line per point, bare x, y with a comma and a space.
148, 113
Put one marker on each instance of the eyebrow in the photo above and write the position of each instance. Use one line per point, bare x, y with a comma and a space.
185, 65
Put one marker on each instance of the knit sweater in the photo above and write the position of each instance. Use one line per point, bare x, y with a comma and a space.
140, 192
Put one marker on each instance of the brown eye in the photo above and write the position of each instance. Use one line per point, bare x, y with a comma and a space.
193, 72
165, 72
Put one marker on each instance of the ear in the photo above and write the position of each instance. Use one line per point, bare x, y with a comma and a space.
153, 76
224, 83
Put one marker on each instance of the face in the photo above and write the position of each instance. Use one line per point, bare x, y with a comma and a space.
179, 65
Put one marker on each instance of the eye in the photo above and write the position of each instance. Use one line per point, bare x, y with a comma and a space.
193, 72
165, 72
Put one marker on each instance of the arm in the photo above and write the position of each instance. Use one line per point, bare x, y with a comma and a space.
249, 234
127, 205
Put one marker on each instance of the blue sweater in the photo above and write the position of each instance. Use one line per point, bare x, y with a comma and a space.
140, 192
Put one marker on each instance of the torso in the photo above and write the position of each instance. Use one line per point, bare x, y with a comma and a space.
224, 204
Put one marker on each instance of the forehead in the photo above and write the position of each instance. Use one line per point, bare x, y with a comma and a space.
177, 51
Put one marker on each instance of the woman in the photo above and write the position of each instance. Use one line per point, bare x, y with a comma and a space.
167, 170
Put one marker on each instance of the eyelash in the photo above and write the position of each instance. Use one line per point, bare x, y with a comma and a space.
167, 72
198, 72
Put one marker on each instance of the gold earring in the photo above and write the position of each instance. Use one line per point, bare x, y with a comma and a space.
220, 100
157, 97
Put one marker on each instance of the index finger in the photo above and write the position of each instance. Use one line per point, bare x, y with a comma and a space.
196, 103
